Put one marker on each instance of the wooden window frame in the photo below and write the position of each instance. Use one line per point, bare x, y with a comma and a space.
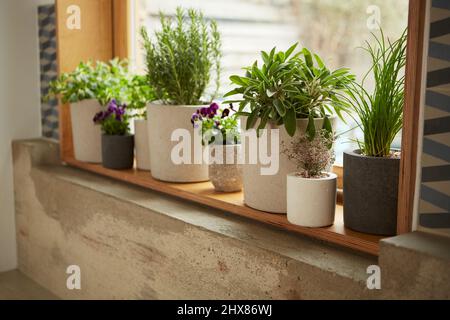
105, 34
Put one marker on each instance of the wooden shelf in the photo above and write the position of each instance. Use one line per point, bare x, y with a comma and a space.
204, 193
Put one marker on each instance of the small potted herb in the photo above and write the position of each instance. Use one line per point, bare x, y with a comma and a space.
117, 142
139, 95
311, 192
180, 59
371, 173
88, 89
293, 92
219, 128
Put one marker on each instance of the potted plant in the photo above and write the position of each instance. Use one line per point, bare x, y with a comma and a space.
180, 60
220, 130
139, 95
117, 142
88, 89
371, 173
293, 92
311, 192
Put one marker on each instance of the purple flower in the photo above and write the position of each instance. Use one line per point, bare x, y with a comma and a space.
204, 111
99, 116
214, 107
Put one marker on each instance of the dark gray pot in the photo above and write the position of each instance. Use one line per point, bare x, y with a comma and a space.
118, 151
370, 193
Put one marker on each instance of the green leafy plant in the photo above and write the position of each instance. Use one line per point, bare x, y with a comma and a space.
139, 94
219, 126
312, 156
182, 56
102, 81
289, 86
380, 112
114, 120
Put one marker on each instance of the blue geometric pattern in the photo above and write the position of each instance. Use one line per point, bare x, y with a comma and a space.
434, 208
48, 68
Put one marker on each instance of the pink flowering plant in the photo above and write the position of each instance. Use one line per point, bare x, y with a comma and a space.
114, 120
218, 126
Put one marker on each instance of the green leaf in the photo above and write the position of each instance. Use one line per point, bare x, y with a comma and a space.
279, 107
311, 128
251, 120
290, 50
308, 57
327, 124
290, 122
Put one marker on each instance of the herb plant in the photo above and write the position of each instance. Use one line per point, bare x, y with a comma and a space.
139, 94
114, 120
102, 81
289, 86
182, 56
313, 156
218, 126
380, 112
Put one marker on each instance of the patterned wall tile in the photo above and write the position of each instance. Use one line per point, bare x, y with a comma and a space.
434, 207
48, 68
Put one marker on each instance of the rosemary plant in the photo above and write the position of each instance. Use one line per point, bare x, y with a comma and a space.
181, 58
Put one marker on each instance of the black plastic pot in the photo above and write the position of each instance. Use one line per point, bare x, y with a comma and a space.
370, 193
118, 151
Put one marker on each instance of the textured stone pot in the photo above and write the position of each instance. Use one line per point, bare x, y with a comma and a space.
118, 151
86, 134
311, 202
225, 171
268, 192
370, 193
141, 144
164, 123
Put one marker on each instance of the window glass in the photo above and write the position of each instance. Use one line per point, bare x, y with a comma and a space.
333, 29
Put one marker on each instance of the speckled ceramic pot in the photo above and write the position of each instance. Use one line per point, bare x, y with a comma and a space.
141, 144
225, 171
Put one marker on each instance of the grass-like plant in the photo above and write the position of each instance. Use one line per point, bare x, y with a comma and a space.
181, 58
380, 112
290, 86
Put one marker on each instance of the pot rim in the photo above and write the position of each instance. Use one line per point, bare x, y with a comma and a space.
159, 104
331, 176
356, 153
118, 135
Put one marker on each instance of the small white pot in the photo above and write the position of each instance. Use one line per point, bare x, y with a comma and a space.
164, 123
86, 134
225, 170
311, 202
141, 144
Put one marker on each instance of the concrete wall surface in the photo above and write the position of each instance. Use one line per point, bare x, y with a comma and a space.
133, 243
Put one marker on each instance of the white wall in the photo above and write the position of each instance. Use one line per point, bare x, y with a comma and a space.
19, 104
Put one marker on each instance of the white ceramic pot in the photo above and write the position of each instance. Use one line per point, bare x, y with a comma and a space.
225, 170
86, 134
141, 144
172, 161
268, 192
311, 202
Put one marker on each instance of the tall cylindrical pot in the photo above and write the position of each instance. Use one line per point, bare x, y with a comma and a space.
370, 193
141, 144
86, 134
266, 191
176, 152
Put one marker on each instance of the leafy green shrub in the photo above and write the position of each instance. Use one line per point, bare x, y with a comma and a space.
380, 113
139, 94
290, 86
102, 81
182, 56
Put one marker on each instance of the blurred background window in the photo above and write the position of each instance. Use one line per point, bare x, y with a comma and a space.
334, 29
